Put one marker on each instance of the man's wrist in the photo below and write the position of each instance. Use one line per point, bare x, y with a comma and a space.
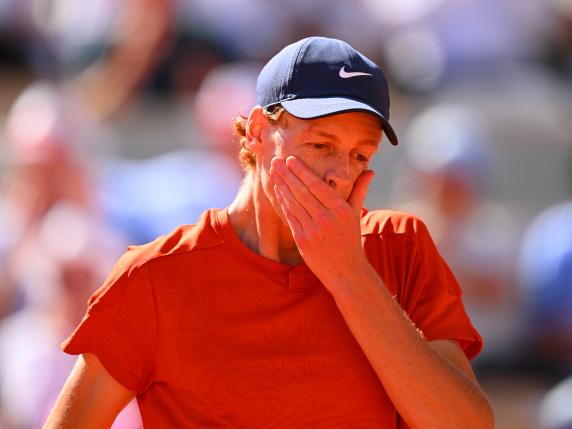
355, 277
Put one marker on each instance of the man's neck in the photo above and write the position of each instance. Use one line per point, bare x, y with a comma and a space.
258, 226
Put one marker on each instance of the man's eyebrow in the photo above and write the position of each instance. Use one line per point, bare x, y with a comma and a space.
374, 143
321, 133
330, 136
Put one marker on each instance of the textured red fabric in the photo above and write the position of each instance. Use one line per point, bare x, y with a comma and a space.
211, 334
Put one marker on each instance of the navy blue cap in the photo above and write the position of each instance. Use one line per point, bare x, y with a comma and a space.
318, 76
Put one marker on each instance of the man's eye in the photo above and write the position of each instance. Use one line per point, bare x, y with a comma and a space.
319, 145
362, 158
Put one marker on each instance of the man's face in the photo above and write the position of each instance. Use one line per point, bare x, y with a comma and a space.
337, 148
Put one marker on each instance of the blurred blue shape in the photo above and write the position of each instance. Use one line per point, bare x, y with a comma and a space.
545, 269
148, 198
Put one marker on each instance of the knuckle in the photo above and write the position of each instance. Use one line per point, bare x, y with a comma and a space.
314, 182
299, 190
302, 239
324, 218
314, 229
341, 206
306, 192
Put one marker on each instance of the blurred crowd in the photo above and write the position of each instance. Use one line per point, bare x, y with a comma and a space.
115, 127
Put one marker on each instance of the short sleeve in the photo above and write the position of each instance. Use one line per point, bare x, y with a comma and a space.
433, 298
120, 325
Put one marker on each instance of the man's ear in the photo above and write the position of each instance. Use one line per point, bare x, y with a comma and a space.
255, 126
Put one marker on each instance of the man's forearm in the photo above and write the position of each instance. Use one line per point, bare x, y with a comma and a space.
426, 389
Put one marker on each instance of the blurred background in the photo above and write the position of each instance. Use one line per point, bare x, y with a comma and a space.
115, 121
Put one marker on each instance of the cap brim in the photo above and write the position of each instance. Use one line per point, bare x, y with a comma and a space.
311, 108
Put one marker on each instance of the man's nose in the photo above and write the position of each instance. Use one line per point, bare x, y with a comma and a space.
339, 176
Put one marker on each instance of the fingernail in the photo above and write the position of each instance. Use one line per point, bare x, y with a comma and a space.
290, 161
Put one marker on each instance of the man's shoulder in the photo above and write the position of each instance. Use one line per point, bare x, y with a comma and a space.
390, 222
183, 239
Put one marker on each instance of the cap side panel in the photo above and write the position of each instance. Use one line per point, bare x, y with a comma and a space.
291, 90
273, 80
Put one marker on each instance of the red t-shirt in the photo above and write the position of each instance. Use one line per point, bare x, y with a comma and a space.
211, 334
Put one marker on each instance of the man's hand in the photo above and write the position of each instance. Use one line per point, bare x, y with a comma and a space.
430, 384
325, 226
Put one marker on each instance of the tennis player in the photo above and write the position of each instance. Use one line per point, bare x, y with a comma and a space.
294, 307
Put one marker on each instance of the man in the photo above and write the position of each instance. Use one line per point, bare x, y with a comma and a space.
293, 307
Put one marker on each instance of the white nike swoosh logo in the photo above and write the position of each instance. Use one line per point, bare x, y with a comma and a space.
345, 75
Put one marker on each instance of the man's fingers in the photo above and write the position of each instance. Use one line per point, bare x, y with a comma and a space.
324, 193
286, 199
312, 192
297, 189
361, 185
293, 222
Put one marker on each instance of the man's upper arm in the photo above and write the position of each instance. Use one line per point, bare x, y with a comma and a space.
91, 398
451, 351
